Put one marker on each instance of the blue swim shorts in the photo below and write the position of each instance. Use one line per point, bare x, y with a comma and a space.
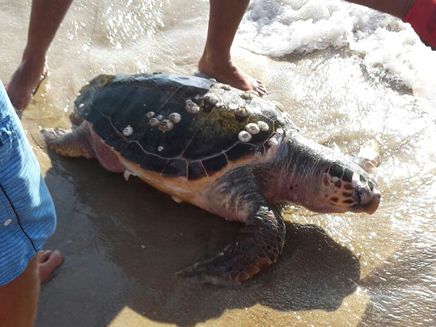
27, 215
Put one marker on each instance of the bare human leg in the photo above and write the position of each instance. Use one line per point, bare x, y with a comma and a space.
225, 16
45, 18
19, 298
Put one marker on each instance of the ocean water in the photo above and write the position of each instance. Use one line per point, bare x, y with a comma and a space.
347, 75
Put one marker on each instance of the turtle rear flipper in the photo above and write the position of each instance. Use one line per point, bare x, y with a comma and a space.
75, 143
257, 246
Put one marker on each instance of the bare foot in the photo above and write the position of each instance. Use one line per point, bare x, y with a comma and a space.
48, 261
25, 82
226, 72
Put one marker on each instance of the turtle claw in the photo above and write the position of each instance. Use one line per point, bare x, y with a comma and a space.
217, 272
52, 134
201, 272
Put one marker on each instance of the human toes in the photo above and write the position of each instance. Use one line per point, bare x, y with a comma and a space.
260, 88
48, 261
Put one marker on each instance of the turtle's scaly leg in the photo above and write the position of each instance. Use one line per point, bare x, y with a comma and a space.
69, 143
257, 246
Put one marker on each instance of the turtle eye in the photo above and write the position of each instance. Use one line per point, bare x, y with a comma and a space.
348, 175
336, 171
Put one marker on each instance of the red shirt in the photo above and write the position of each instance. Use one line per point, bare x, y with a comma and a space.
422, 17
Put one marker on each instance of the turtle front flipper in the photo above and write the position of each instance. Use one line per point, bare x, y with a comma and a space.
256, 247
368, 157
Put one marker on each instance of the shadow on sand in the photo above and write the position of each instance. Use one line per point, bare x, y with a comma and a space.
123, 243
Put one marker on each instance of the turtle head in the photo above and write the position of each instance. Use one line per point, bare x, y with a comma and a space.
347, 187
317, 178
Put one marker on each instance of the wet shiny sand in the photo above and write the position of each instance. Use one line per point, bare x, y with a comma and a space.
124, 241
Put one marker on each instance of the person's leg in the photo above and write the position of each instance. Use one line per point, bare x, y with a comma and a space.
19, 298
225, 16
45, 18
398, 8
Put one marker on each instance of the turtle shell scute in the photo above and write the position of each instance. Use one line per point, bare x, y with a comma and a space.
175, 168
241, 150
153, 163
215, 164
196, 170
134, 152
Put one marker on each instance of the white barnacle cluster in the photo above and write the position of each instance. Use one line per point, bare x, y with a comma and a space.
225, 87
246, 95
220, 105
191, 107
166, 124
273, 142
128, 130
243, 111
252, 128
211, 98
233, 106
281, 120
264, 127
175, 117
244, 136
154, 122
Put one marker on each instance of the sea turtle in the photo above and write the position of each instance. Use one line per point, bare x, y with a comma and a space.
227, 151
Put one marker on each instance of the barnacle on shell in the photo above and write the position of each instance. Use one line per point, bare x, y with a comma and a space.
175, 117
244, 136
252, 128
191, 107
128, 130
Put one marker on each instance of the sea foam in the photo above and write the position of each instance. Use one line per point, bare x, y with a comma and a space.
387, 47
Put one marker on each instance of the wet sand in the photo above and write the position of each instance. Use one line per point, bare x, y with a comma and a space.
124, 241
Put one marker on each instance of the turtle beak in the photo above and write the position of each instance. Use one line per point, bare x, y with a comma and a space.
367, 200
